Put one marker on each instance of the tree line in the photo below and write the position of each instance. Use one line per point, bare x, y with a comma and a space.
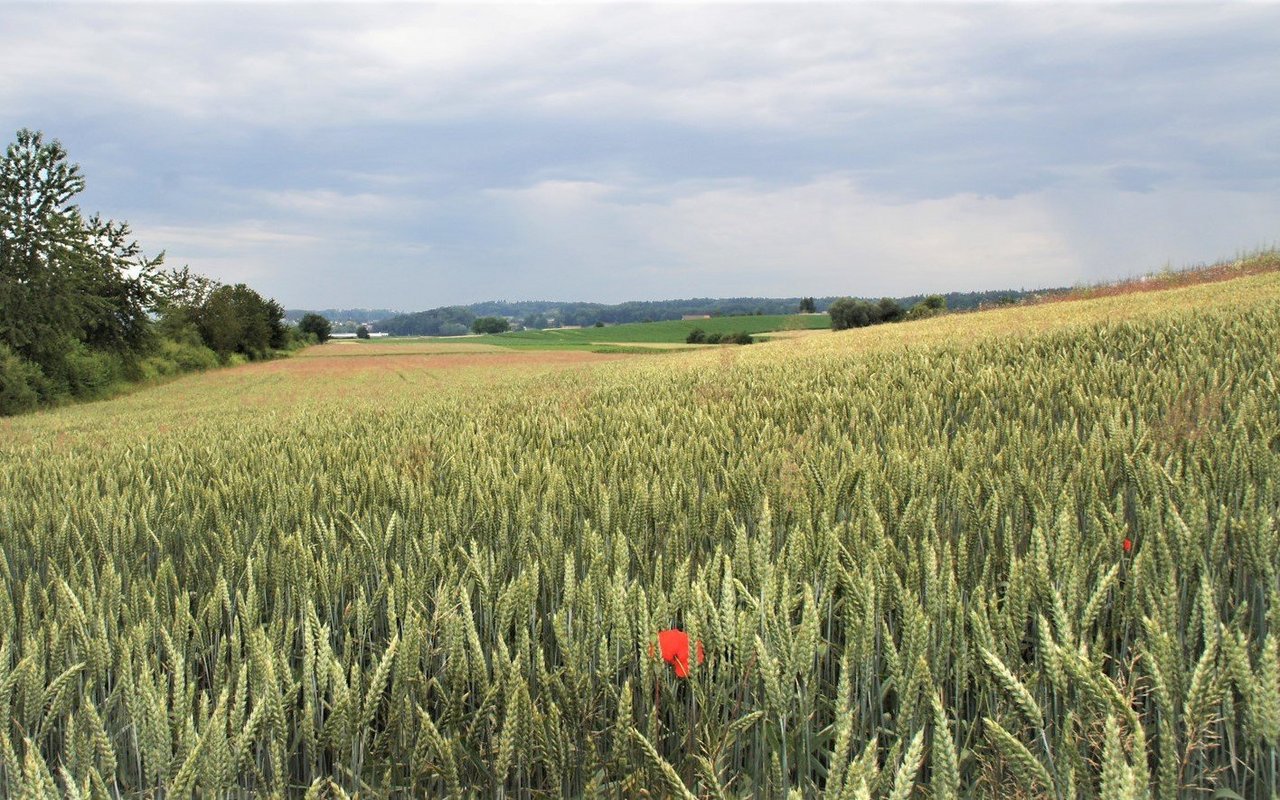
84, 312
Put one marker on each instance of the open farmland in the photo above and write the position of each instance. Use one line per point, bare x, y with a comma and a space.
1029, 552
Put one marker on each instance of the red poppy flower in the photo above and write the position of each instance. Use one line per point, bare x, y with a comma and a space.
1128, 545
674, 645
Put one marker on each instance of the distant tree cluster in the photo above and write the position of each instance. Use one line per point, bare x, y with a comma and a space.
491, 325
848, 312
699, 336
82, 311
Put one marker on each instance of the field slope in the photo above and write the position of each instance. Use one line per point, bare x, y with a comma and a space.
1029, 552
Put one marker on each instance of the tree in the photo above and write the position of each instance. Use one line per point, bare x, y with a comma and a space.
317, 326
808, 305
236, 319
362, 332
64, 279
491, 325
890, 311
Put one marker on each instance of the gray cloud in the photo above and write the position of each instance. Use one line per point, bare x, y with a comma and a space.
417, 155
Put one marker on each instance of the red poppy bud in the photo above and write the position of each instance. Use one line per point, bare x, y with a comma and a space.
1128, 545
674, 645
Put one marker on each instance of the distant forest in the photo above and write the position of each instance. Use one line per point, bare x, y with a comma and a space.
456, 320
338, 315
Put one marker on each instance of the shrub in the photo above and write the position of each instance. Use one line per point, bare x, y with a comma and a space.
696, 336
189, 357
713, 338
931, 306
90, 373
21, 383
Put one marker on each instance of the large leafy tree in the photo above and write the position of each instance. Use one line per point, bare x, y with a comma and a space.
317, 326
64, 278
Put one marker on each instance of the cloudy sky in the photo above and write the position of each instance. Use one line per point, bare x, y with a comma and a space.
410, 156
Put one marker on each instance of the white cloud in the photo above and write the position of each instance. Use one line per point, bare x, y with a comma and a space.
826, 236
785, 66
829, 236
326, 203
618, 151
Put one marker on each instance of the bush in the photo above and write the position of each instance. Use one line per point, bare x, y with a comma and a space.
713, 338
931, 306
22, 384
740, 338
187, 356
90, 373
696, 336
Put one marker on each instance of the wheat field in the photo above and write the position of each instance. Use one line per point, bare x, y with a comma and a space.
1030, 552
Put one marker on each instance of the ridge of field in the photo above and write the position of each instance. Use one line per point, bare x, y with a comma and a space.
1028, 551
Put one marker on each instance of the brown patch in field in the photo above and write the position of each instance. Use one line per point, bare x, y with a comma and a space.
795, 333
1268, 262
10, 435
419, 461
396, 361
349, 349
1188, 419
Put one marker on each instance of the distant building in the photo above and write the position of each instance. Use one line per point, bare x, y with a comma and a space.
695, 316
